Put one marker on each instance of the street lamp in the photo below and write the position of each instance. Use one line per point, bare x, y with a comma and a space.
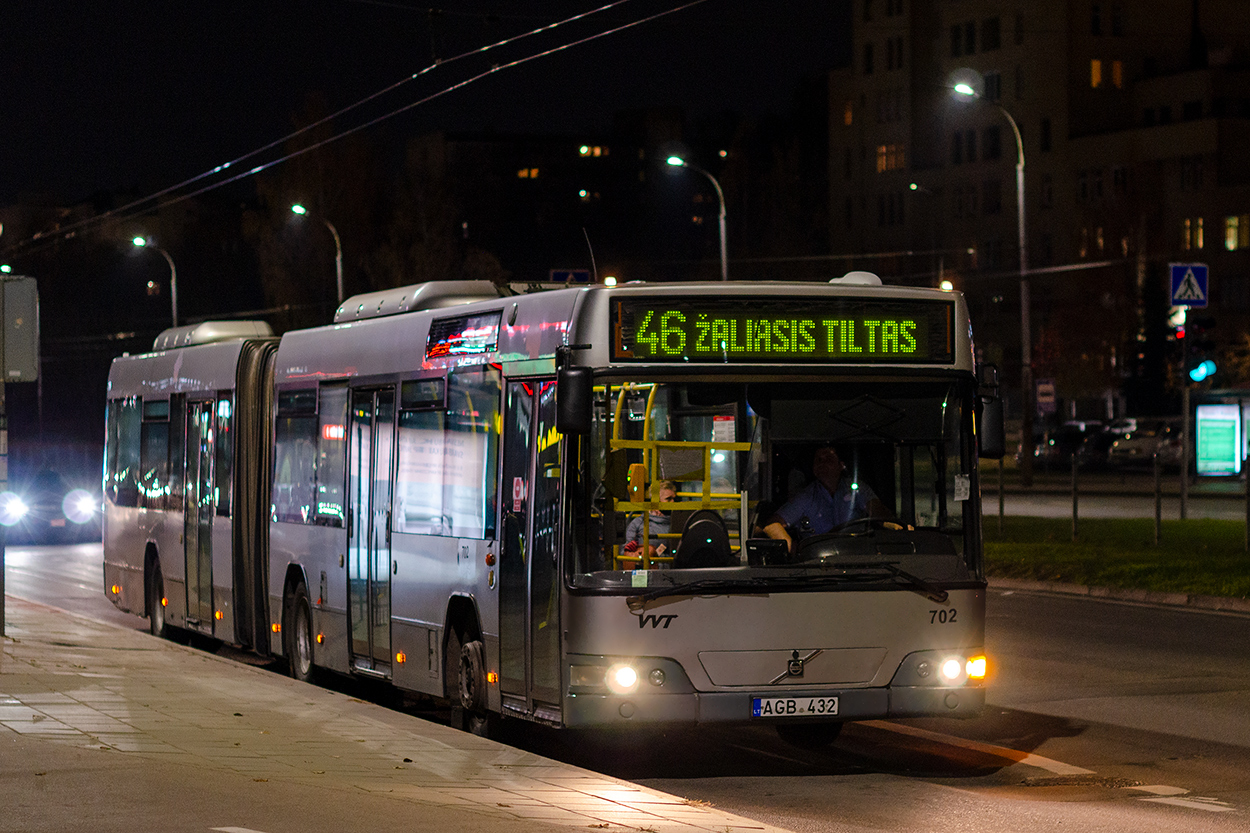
678, 162
299, 209
144, 243
967, 90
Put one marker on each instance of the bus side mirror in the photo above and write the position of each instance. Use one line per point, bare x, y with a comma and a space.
991, 419
574, 392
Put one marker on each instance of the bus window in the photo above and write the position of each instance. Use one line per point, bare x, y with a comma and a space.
470, 451
419, 481
122, 460
154, 455
448, 456
331, 454
295, 457
223, 469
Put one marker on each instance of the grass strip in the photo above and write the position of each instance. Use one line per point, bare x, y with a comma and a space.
1203, 557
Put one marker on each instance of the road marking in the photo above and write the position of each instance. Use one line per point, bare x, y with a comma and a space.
1048, 764
235, 829
1161, 789
1197, 802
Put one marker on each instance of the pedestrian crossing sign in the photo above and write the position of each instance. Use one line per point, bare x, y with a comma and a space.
1189, 284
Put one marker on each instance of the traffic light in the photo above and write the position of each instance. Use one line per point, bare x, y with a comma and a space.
1199, 347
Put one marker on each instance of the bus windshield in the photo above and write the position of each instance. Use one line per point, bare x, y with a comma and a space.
776, 482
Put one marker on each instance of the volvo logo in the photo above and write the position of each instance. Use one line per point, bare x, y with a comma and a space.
795, 666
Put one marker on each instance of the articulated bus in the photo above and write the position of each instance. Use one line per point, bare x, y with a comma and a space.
552, 506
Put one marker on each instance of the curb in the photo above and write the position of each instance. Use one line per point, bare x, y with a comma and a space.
1214, 604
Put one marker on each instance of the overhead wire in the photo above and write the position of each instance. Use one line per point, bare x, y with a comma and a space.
497, 68
70, 230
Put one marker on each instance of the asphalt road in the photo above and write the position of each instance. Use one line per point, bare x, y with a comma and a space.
1104, 716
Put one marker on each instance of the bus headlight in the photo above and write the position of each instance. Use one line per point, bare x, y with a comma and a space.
968, 667
621, 679
79, 506
12, 509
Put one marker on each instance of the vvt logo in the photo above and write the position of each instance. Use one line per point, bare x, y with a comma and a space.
655, 620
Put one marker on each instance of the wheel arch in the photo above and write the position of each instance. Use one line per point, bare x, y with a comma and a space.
151, 559
295, 575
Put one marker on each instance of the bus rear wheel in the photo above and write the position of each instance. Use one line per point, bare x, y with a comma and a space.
810, 736
299, 651
156, 592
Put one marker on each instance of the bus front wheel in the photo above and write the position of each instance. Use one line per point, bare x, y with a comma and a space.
299, 652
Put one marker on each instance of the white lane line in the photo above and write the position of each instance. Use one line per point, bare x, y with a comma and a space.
1161, 789
1048, 764
1197, 802
235, 829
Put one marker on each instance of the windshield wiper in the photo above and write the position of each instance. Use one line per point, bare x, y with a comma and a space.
922, 586
692, 588
850, 573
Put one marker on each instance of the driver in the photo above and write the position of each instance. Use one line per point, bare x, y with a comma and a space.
826, 503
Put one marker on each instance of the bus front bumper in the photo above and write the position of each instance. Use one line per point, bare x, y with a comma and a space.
646, 708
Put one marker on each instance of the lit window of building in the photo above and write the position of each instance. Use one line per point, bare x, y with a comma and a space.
848, 113
891, 157
1095, 73
1237, 232
1191, 234
1117, 74
527, 173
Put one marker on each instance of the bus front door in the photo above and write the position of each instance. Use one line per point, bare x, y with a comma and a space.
369, 550
197, 515
529, 611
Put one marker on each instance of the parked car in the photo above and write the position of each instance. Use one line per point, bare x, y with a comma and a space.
1096, 447
46, 510
1053, 449
1136, 448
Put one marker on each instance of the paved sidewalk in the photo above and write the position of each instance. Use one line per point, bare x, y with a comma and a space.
117, 698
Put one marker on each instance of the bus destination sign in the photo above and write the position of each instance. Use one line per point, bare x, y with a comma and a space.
835, 330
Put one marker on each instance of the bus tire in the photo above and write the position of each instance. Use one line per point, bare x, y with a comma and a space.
156, 610
809, 736
299, 650
473, 688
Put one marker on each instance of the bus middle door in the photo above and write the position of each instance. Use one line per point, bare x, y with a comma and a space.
369, 550
529, 610
199, 507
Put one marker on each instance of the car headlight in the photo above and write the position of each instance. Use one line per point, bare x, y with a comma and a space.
79, 506
12, 509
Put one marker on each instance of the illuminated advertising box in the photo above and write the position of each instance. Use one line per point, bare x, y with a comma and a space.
1219, 439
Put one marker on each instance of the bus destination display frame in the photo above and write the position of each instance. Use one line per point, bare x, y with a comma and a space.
828, 330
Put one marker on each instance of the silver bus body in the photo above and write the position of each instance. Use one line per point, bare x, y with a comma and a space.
520, 558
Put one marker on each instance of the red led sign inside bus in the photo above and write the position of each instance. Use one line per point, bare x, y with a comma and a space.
333, 432
463, 335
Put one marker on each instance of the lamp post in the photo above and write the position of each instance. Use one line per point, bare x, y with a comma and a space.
144, 243
678, 162
299, 209
1026, 338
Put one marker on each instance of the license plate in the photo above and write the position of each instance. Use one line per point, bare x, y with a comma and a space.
794, 706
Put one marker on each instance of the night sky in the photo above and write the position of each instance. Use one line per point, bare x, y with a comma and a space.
107, 95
